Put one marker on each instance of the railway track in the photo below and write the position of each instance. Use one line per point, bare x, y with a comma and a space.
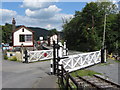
96, 82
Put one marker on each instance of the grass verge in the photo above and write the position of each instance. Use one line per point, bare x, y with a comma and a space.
13, 58
117, 61
84, 73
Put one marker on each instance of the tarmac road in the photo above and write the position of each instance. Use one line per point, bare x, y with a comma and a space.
22, 75
32, 75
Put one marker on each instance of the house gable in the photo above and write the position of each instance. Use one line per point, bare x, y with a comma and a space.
24, 28
22, 31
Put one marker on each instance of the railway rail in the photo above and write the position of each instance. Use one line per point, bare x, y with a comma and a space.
96, 82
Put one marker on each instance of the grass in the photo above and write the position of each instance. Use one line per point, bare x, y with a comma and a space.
103, 64
84, 73
117, 61
5, 57
13, 58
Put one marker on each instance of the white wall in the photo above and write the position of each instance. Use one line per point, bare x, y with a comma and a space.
53, 38
16, 37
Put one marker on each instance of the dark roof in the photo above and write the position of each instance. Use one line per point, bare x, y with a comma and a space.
24, 27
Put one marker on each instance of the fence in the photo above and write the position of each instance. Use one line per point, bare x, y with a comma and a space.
75, 62
65, 80
39, 55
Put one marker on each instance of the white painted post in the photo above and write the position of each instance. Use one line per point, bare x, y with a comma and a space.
60, 54
64, 51
105, 55
22, 53
28, 54
51, 66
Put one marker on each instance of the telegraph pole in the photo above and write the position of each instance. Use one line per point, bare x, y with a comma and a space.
103, 52
104, 32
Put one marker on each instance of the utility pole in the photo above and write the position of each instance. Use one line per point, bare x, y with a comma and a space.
104, 32
103, 52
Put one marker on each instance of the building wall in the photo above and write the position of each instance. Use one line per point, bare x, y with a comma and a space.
16, 37
53, 38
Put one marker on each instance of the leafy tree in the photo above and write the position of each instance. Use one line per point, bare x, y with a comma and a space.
85, 31
53, 31
6, 33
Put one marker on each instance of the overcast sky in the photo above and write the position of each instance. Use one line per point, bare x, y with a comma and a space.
40, 14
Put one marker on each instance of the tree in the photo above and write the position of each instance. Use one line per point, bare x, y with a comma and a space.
6, 33
106, 7
85, 31
80, 31
53, 32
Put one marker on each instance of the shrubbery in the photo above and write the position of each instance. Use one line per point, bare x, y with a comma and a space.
13, 58
5, 57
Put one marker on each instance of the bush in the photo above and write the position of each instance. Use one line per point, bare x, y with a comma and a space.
5, 57
13, 58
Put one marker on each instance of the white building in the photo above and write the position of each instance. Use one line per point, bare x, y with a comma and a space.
23, 36
53, 38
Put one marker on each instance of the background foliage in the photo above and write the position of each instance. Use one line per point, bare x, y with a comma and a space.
84, 32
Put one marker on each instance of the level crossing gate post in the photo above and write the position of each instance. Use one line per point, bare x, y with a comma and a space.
26, 56
54, 58
103, 55
58, 70
67, 80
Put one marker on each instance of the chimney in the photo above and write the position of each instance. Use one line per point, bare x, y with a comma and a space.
13, 24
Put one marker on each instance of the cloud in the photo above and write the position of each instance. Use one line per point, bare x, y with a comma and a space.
37, 14
37, 4
7, 15
44, 13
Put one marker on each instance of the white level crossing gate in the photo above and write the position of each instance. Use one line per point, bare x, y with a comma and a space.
70, 63
75, 62
39, 55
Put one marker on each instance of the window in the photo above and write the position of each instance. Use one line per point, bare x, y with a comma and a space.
23, 30
28, 38
22, 38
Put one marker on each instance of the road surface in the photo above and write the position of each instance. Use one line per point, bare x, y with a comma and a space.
22, 75
32, 75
